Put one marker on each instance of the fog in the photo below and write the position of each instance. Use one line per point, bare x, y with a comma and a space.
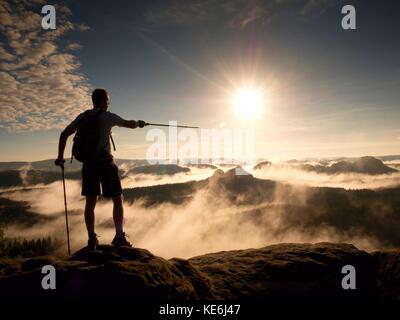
290, 174
145, 180
208, 222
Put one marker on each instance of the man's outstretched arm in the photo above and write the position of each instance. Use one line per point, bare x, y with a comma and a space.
62, 143
132, 124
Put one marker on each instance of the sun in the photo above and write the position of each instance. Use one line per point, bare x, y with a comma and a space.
248, 102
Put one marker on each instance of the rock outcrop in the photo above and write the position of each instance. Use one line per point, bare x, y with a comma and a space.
282, 273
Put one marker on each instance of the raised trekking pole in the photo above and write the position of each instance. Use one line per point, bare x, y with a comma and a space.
66, 210
167, 125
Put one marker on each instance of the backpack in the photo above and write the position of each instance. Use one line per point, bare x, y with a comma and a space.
86, 140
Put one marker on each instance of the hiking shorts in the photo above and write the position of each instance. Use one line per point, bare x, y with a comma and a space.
105, 174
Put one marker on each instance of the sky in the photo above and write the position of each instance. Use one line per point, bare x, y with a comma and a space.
327, 92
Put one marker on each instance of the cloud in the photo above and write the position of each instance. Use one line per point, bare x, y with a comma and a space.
314, 8
4, 55
291, 174
145, 180
83, 27
210, 221
42, 87
73, 46
242, 13
233, 13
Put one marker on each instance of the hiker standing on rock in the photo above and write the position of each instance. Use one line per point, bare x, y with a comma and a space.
92, 147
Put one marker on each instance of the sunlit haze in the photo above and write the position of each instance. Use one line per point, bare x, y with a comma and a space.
306, 86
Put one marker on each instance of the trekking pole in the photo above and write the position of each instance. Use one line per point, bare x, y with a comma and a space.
167, 125
66, 210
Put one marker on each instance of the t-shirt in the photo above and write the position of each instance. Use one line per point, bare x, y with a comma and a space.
107, 120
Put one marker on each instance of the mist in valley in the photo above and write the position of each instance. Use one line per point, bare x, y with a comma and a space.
215, 217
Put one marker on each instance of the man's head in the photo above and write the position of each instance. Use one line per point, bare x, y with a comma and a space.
100, 99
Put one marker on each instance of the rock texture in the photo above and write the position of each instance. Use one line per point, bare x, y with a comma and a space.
282, 272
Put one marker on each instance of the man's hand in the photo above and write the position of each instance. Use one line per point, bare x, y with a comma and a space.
61, 145
134, 124
59, 162
141, 123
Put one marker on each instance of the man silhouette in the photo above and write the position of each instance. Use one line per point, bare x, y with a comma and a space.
101, 169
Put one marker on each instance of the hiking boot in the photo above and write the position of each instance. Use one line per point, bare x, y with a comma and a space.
120, 240
93, 242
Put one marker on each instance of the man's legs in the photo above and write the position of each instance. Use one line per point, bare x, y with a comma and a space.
111, 185
118, 214
89, 220
89, 213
